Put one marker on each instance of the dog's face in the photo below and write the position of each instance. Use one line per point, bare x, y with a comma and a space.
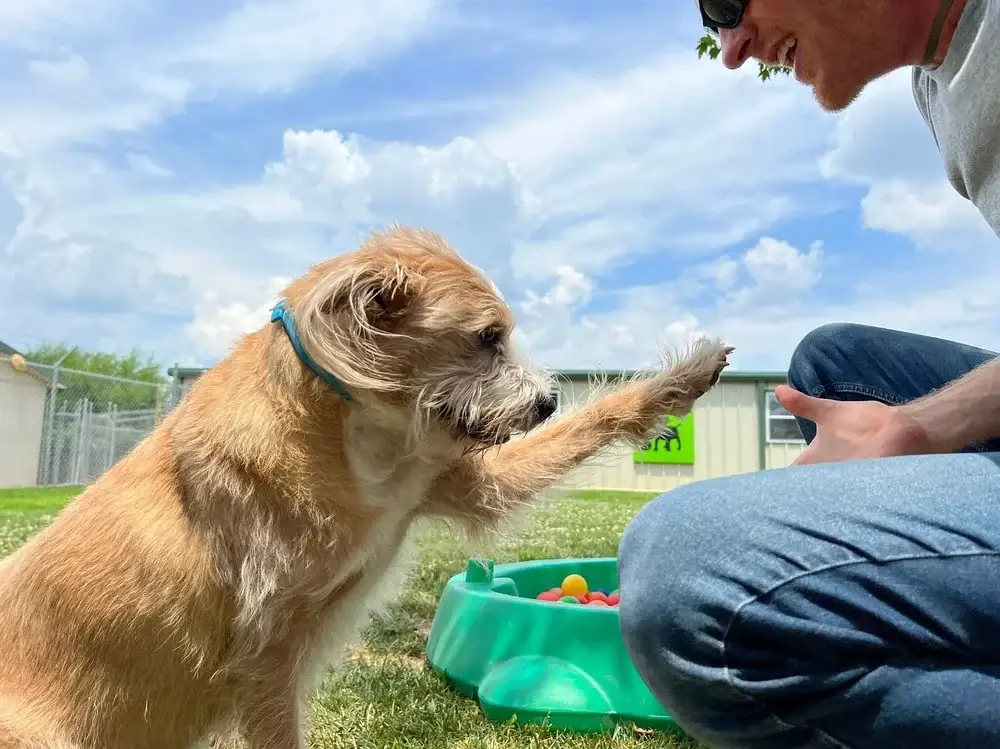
408, 322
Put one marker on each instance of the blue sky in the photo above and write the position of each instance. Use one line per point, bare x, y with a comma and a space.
166, 167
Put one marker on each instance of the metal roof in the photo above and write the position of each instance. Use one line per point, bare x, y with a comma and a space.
6, 352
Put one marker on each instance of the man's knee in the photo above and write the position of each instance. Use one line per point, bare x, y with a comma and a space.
671, 619
679, 596
822, 352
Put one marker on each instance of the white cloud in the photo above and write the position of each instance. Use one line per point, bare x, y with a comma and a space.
70, 71
883, 145
963, 305
673, 154
268, 46
29, 23
560, 188
773, 262
216, 325
208, 250
255, 47
930, 212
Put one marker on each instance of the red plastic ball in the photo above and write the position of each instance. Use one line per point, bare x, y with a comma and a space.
598, 602
613, 599
548, 595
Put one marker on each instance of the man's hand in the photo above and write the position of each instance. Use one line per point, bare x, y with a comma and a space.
850, 430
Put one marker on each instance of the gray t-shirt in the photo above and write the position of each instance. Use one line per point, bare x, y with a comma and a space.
960, 101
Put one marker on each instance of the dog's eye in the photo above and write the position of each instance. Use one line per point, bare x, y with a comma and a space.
490, 336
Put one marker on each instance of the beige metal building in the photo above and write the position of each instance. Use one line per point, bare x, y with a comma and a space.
22, 418
737, 427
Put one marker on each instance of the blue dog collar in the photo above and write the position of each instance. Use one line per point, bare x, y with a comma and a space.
281, 313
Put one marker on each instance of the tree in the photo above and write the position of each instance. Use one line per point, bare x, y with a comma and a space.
709, 45
144, 390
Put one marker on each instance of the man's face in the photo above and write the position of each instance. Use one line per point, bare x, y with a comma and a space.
835, 46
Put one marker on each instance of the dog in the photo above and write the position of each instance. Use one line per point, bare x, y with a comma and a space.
667, 435
211, 576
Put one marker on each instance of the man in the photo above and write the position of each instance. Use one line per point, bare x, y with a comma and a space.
852, 600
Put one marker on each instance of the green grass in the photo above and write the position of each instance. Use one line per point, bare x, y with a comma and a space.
385, 696
611, 495
24, 512
47, 500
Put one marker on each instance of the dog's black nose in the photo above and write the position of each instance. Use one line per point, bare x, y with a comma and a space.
545, 406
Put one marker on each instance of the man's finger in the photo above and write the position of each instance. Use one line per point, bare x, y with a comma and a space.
800, 404
805, 457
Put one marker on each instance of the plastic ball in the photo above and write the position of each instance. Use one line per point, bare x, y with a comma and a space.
598, 602
597, 595
613, 599
549, 595
569, 599
574, 585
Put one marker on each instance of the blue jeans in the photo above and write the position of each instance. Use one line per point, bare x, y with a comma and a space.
852, 604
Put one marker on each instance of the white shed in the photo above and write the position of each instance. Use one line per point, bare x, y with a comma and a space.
22, 419
737, 427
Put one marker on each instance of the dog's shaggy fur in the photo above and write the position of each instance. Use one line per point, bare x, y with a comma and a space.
204, 580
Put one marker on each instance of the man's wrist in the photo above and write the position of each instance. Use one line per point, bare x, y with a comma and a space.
923, 429
963, 412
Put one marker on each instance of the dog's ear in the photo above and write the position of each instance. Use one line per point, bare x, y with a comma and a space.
373, 296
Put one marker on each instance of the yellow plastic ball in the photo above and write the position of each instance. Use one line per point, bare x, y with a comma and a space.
574, 585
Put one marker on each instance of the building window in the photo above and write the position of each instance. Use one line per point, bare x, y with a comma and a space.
559, 402
781, 425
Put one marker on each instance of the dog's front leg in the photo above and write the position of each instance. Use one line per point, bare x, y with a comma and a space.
271, 721
269, 715
482, 490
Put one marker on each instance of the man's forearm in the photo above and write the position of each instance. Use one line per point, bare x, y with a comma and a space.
965, 411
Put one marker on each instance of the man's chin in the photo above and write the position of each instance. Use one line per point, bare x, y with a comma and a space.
833, 99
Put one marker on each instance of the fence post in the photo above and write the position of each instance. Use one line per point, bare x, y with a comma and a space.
50, 422
88, 439
112, 428
175, 386
78, 447
60, 447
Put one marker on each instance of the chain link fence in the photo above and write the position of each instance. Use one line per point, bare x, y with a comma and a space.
84, 422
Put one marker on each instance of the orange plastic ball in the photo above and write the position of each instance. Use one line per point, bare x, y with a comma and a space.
574, 585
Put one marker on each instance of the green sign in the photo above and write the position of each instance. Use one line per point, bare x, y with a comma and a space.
674, 444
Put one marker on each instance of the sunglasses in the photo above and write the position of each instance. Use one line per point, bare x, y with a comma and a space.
722, 14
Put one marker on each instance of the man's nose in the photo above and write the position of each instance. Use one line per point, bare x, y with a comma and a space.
736, 45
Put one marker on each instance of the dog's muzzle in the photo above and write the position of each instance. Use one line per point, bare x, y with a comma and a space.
545, 406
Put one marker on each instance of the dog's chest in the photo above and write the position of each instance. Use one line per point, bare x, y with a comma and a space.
390, 485
388, 475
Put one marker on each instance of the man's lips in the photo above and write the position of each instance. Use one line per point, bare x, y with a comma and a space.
783, 51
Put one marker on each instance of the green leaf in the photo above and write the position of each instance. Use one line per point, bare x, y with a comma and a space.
708, 45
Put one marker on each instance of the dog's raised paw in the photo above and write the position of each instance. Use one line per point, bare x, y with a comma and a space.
721, 364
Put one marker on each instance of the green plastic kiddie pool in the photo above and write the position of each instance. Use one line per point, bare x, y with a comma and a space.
530, 661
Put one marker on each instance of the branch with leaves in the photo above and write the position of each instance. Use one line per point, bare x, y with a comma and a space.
709, 45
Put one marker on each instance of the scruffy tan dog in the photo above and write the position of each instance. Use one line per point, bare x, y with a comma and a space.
204, 580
